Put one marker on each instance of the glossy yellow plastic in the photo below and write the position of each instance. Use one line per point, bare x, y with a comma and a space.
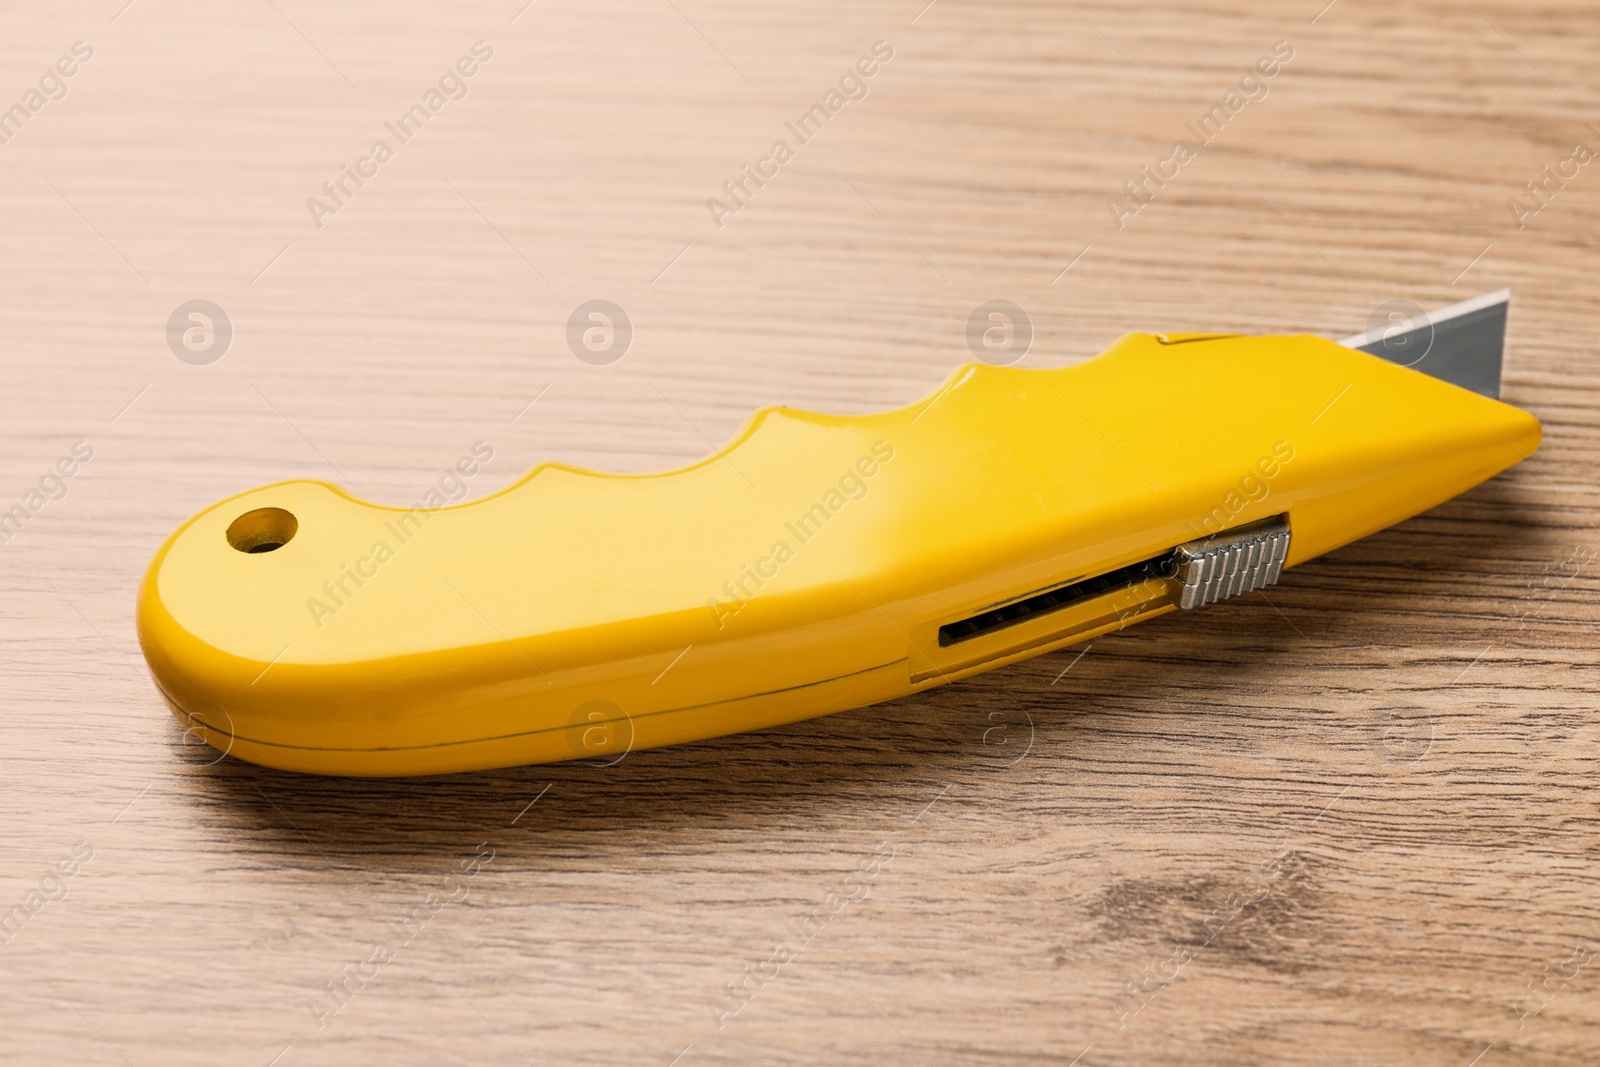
804, 569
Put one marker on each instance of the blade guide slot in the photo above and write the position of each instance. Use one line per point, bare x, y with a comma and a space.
1200, 572
992, 620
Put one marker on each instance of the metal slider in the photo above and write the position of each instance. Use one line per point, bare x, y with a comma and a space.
1232, 562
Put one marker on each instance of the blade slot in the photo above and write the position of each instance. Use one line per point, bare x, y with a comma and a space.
1200, 572
1017, 612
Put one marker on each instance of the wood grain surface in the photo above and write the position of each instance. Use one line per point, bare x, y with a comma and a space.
1348, 822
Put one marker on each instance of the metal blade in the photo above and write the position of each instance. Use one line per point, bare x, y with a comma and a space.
1462, 344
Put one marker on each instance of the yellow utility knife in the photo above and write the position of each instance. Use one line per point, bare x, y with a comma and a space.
818, 562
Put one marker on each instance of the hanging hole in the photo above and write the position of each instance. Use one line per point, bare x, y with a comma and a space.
262, 530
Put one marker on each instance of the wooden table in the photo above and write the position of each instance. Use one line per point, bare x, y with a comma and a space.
1348, 822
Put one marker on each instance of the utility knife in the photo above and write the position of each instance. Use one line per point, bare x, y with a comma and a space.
816, 563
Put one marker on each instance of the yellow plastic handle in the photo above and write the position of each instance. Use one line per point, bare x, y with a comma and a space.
806, 568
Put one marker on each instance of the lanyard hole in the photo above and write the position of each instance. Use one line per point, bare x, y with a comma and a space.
262, 530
